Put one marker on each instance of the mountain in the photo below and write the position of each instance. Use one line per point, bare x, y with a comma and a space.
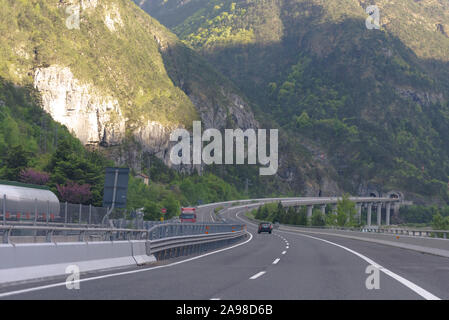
74, 96
115, 77
367, 109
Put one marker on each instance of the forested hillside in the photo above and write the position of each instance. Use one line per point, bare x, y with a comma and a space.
374, 101
119, 82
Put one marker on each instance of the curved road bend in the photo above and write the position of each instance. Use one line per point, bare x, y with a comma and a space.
283, 265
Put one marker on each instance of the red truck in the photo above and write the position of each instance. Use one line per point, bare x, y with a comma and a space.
188, 215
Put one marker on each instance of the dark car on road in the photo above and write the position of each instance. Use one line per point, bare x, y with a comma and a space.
265, 227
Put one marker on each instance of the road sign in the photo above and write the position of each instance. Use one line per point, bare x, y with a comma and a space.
163, 210
115, 187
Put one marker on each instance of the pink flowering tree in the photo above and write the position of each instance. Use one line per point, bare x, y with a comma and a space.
34, 177
74, 193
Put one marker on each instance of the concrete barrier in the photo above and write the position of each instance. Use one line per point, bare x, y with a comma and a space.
139, 250
21, 262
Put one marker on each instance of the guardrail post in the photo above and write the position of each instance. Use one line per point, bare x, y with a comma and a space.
48, 212
6, 235
4, 209
65, 213
81, 237
49, 236
35, 211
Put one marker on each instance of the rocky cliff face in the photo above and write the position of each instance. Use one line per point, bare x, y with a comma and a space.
97, 119
93, 118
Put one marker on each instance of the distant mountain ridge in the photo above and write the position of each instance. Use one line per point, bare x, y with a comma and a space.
369, 106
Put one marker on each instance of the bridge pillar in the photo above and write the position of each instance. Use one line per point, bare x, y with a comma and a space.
359, 212
309, 211
379, 213
387, 216
323, 209
368, 217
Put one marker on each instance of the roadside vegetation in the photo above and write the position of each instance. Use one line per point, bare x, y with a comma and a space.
37, 150
425, 216
410, 216
275, 212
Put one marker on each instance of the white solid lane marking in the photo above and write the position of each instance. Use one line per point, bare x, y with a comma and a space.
417, 289
257, 275
276, 261
422, 292
284, 252
60, 284
215, 299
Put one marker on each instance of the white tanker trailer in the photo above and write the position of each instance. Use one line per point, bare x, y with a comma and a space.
27, 199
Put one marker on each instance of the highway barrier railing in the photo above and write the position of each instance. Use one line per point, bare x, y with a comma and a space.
103, 248
409, 232
425, 241
444, 234
41, 233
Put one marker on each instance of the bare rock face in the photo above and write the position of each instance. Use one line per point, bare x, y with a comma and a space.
96, 119
91, 116
237, 113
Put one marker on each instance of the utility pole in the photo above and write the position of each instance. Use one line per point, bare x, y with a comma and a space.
247, 184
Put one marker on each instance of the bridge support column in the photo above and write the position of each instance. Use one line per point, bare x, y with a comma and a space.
379, 213
368, 217
309, 211
323, 209
359, 212
387, 213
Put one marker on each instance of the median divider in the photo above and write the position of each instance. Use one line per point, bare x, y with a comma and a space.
28, 261
22, 262
139, 252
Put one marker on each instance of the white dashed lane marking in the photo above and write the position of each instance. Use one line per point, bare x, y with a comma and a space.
257, 275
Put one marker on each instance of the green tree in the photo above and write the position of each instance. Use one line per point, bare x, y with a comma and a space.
439, 222
172, 205
152, 211
301, 217
346, 211
15, 160
318, 218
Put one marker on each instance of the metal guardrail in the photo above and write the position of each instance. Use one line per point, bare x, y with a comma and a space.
161, 231
398, 231
409, 232
186, 229
83, 234
165, 244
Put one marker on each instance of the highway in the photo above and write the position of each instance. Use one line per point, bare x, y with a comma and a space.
283, 265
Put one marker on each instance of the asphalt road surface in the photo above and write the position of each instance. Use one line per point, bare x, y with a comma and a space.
283, 265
